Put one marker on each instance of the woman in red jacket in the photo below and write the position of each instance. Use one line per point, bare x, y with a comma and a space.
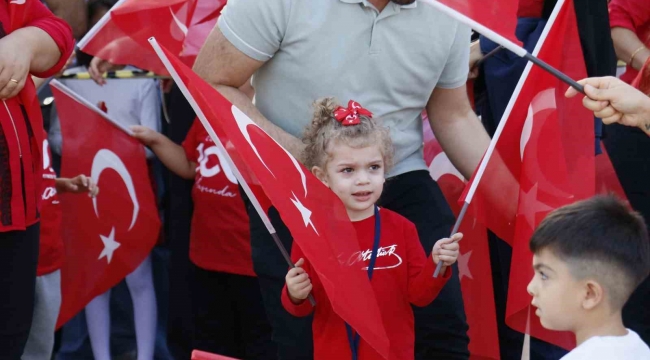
32, 41
630, 23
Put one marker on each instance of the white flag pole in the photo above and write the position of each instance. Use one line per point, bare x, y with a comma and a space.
501, 40
206, 124
504, 118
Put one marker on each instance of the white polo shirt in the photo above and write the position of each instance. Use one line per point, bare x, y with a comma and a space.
389, 62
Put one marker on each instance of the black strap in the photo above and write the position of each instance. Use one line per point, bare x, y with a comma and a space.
353, 338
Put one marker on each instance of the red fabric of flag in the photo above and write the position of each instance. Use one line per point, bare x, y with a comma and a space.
543, 159
107, 237
122, 38
474, 270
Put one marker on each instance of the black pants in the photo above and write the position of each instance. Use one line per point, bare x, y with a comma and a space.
18, 261
229, 318
440, 328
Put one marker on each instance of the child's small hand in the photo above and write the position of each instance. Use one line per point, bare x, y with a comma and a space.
446, 250
145, 135
78, 185
298, 283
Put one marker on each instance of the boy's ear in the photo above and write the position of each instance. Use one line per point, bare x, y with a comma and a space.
320, 174
594, 295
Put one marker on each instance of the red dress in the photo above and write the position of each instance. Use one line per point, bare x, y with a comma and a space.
21, 122
403, 275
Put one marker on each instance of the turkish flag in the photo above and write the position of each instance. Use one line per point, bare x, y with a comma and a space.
315, 216
543, 159
474, 268
606, 179
205, 19
107, 237
121, 36
499, 16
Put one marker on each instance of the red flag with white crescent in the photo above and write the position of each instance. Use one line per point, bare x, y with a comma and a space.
106, 237
121, 35
543, 158
316, 217
474, 270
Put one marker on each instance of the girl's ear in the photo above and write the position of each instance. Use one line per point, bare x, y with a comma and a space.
320, 174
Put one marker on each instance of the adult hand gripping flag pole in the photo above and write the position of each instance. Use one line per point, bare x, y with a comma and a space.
499, 39
518, 50
236, 172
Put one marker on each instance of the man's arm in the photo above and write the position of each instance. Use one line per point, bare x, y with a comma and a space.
457, 128
74, 12
227, 69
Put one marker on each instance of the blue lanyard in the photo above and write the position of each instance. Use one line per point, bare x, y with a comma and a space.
353, 338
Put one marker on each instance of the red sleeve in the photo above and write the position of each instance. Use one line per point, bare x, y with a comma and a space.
422, 286
191, 141
304, 308
629, 14
59, 31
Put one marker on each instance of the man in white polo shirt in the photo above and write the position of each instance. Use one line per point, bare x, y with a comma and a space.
396, 58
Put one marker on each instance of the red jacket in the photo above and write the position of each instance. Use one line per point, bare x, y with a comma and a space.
21, 122
403, 276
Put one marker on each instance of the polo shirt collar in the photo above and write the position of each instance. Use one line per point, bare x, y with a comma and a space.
365, 2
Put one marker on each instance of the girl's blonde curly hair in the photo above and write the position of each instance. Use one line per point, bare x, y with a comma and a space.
324, 129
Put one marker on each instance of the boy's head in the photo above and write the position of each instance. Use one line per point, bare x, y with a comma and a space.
588, 258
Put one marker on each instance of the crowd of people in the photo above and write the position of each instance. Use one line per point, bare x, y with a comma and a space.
342, 86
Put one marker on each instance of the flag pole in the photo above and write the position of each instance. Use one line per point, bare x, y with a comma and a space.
506, 114
501, 40
251, 196
59, 86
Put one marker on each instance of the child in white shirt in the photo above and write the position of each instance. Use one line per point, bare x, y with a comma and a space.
588, 259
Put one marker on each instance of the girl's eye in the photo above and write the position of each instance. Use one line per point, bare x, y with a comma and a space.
347, 170
543, 276
375, 167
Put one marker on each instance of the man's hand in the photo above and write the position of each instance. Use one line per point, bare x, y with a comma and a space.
614, 101
298, 283
77, 185
100, 66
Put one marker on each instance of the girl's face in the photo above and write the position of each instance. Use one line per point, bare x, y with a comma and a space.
356, 175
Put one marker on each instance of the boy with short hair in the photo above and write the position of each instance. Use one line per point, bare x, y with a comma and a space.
588, 259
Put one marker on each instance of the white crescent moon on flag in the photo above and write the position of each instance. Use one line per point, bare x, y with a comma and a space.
178, 22
440, 165
242, 122
544, 100
106, 159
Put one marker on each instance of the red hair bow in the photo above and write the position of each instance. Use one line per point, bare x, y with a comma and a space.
350, 115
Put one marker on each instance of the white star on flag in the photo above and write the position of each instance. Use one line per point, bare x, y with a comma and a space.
109, 246
463, 265
306, 213
529, 206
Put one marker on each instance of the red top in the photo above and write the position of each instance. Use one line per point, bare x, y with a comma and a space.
403, 276
21, 138
50, 252
220, 235
633, 15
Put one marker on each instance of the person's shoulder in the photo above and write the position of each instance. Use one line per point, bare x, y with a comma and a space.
629, 347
